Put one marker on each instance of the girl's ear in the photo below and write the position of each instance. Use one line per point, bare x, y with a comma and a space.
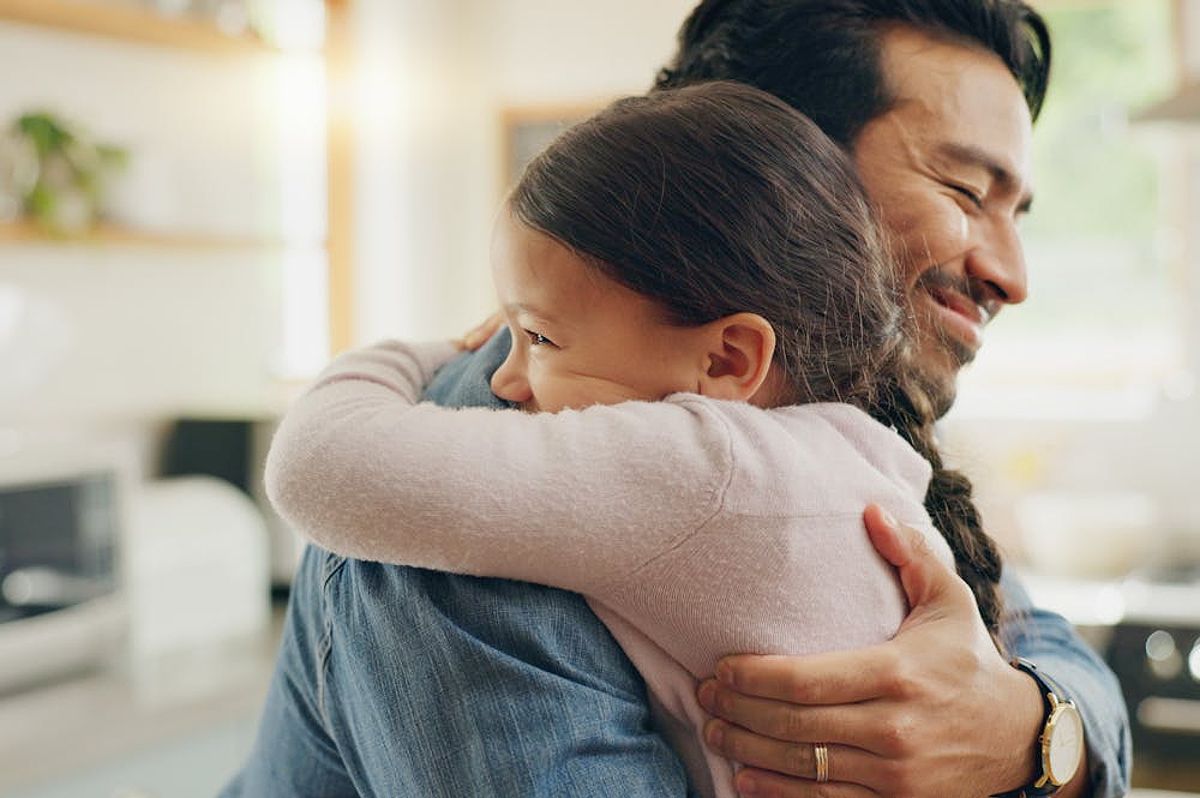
738, 355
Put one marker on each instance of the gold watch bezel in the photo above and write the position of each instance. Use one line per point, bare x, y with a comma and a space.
1058, 710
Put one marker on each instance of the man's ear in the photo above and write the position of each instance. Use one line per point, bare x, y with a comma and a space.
738, 353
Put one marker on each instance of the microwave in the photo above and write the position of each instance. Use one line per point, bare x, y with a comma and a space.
62, 606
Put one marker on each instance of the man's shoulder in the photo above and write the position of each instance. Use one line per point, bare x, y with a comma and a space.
466, 380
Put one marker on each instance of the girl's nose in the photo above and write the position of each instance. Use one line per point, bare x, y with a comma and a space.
510, 383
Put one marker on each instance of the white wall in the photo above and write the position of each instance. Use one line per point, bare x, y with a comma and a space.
429, 175
410, 97
554, 51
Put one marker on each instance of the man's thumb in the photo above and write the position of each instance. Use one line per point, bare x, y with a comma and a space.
921, 573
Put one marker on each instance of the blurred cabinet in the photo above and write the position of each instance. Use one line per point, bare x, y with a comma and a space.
128, 23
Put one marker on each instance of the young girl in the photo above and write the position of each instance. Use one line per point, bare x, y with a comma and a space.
714, 365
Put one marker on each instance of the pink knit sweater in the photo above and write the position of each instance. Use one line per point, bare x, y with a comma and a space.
695, 527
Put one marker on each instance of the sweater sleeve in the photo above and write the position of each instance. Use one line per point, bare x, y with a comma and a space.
573, 499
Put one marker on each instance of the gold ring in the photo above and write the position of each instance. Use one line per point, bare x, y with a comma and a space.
821, 754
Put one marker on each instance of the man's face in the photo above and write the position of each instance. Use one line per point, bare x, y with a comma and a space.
949, 168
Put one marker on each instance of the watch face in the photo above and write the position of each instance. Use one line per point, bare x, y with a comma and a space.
1065, 730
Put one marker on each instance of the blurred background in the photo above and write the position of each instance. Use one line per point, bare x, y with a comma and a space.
201, 200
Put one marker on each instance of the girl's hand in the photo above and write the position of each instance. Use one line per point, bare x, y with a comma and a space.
481, 334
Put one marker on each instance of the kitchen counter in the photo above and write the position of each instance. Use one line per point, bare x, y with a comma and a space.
93, 723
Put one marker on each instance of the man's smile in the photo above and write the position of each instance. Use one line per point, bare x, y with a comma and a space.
958, 314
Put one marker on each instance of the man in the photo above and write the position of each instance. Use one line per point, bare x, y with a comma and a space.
395, 681
941, 137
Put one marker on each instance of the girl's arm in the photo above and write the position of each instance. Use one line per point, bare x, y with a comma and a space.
572, 499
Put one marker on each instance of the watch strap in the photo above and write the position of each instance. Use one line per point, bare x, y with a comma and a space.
1048, 687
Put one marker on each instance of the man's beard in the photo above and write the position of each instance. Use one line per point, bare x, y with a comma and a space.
942, 354
939, 380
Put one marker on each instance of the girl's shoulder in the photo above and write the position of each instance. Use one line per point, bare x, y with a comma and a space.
816, 458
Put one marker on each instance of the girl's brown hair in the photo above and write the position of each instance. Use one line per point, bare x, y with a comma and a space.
719, 198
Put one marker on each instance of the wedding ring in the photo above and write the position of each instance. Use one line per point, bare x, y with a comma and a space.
821, 755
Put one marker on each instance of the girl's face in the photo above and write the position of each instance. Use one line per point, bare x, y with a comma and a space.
579, 338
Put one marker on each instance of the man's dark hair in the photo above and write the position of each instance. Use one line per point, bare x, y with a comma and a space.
823, 57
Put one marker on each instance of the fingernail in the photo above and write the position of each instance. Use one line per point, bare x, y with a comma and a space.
747, 784
725, 673
888, 519
714, 733
707, 695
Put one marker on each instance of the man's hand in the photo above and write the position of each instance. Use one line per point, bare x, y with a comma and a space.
480, 335
936, 711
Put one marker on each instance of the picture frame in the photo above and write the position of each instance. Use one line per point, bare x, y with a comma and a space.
526, 130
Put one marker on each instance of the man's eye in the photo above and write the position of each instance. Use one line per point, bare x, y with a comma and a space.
537, 339
971, 196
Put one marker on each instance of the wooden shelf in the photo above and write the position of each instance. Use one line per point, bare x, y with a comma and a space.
129, 23
104, 235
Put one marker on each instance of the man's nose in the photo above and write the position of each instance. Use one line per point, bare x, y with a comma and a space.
997, 267
510, 383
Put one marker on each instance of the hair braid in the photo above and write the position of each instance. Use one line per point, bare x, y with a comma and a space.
903, 402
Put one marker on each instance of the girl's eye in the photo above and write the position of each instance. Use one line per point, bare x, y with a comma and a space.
537, 339
971, 196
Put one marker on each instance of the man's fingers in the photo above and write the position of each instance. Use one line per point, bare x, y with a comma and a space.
480, 335
845, 763
839, 677
765, 784
781, 720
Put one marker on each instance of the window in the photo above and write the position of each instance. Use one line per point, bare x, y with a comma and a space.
1103, 333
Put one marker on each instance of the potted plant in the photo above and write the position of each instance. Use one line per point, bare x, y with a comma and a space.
70, 172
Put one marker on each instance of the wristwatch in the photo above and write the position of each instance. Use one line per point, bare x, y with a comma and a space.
1060, 745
